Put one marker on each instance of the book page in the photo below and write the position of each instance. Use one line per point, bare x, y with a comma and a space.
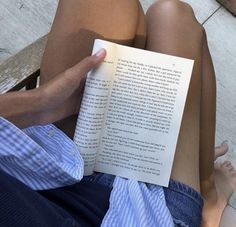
144, 114
93, 106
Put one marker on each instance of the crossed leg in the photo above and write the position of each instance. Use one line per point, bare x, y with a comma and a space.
78, 23
181, 35
172, 29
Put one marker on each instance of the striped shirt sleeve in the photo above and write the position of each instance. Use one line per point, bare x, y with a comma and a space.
41, 157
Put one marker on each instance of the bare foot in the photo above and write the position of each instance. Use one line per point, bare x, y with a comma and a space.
229, 173
217, 197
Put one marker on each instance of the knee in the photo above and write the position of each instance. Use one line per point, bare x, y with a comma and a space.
168, 7
174, 11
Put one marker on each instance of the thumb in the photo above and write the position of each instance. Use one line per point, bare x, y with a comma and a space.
90, 62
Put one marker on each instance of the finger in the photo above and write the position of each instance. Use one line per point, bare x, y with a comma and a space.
89, 63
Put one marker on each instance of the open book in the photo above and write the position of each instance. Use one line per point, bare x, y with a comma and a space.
131, 113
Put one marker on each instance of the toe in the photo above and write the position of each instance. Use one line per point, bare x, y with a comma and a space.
221, 150
226, 164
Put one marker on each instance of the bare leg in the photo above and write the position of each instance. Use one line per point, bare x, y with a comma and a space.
71, 40
173, 29
77, 23
211, 179
207, 121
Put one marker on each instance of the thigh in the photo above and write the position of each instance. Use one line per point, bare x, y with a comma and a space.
208, 121
77, 23
173, 29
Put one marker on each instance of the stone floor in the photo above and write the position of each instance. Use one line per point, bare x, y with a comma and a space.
23, 21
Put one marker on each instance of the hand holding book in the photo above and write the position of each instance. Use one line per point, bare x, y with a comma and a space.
131, 113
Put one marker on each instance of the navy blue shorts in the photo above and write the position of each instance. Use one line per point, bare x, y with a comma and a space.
82, 204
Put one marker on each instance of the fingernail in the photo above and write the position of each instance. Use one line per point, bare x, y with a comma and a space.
100, 53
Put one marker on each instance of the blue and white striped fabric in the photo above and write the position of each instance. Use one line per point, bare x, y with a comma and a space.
43, 157
137, 204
